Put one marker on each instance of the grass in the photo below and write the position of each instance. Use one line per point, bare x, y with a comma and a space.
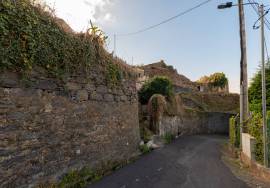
144, 149
79, 178
168, 138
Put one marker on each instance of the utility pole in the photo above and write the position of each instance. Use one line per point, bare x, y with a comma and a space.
265, 141
243, 74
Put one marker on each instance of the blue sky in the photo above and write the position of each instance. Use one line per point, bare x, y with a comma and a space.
200, 43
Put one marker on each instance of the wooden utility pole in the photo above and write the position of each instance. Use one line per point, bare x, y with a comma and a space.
265, 141
243, 73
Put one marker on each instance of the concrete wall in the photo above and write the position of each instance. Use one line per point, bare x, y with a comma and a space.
48, 126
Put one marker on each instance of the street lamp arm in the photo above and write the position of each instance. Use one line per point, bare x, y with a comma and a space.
230, 4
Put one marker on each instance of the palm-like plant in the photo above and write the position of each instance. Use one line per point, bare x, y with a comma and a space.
96, 34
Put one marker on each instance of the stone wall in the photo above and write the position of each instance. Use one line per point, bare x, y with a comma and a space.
196, 123
48, 126
179, 116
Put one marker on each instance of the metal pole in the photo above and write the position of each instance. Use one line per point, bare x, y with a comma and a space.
243, 67
263, 90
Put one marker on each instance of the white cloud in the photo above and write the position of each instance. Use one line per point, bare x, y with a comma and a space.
78, 13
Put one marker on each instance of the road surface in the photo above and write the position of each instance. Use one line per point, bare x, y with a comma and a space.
189, 162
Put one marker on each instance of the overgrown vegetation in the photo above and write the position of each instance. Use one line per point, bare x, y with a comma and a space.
218, 79
145, 134
235, 131
144, 149
78, 178
255, 129
255, 91
157, 85
32, 36
168, 138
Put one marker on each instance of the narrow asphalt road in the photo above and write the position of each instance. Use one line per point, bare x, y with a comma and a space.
189, 162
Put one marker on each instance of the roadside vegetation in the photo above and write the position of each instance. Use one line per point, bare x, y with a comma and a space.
255, 127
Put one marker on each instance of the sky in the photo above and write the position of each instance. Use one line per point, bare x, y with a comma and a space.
200, 43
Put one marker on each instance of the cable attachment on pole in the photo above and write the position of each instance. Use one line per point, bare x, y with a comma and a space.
257, 27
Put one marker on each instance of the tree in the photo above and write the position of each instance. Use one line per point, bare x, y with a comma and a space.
217, 79
157, 85
255, 90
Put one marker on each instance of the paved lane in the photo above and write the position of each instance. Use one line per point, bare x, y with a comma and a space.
189, 162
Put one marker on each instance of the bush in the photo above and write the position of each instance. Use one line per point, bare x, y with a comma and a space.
234, 132
157, 85
255, 90
255, 129
268, 133
218, 79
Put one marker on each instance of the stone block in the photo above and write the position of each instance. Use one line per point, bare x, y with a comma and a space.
102, 89
9, 79
90, 87
108, 97
123, 98
46, 85
73, 86
96, 96
82, 95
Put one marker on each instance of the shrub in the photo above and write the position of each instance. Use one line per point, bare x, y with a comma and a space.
234, 131
255, 90
255, 129
157, 85
218, 79
268, 134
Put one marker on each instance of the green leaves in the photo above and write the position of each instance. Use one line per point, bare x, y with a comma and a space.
218, 79
157, 85
30, 37
255, 91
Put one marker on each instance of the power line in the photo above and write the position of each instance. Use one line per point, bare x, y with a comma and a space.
167, 20
267, 23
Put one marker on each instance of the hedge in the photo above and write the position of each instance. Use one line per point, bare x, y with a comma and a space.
234, 132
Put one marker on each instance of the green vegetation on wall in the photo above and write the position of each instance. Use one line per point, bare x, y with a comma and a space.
234, 131
255, 91
32, 36
157, 85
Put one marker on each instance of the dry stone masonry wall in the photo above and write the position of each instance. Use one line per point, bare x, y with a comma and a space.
48, 126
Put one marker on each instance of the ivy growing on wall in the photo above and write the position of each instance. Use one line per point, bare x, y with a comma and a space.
32, 36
